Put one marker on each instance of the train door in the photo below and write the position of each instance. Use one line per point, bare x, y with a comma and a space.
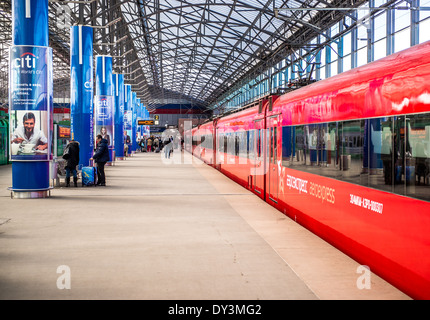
258, 167
272, 159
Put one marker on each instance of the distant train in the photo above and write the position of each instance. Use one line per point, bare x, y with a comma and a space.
347, 157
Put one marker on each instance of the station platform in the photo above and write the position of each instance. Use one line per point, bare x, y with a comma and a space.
166, 231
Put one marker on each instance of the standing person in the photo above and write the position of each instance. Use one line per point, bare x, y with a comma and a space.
155, 144
127, 141
101, 156
167, 147
149, 144
71, 155
142, 144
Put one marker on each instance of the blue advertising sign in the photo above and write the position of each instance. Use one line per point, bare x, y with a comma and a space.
104, 118
31, 102
119, 115
82, 91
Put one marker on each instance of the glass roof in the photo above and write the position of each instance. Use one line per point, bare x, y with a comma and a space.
176, 50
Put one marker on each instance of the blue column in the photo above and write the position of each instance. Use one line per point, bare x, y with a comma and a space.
119, 116
128, 114
82, 91
30, 99
138, 117
134, 123
104, 103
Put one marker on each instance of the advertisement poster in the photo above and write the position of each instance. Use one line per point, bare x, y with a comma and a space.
128, 118
104, 118
30, 97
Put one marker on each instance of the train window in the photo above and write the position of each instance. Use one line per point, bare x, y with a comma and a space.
247, 143
259, 138
418, 156
231, 144
271, 144
378, 151
251, 142
326, 156
333, 149
351, 159
236, 144
390, 153
299, 147
401, 156
287, 145
275, 144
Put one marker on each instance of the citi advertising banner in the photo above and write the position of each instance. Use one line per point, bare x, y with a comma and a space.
104, 118
30, 96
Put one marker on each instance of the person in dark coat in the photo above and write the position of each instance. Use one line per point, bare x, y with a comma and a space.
72, 157
101, 156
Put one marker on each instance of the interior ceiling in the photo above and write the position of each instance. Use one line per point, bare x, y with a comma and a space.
173, 51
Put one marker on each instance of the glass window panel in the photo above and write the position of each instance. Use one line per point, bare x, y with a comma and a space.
402, 18
380, 26
380, 49
333, 150
324, 146
347, 21
333, 54
351, 161
424, 26
380, 153
424, 13
347, 44
346, 63
363, 13
333, 69
402, 40
379, 3
251, 144
362, 36
300, 147
287, 152
399, 144
322, 73
334, 30
323, 57
362, 57
417, 156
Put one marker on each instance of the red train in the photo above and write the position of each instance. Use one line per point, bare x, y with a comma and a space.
347, 157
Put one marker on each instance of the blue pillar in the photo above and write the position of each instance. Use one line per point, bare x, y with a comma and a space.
128, 116
134, 123
138, 117
119, 116
82, 91
104, 103
30, 99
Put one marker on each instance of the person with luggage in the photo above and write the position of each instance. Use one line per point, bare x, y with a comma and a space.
168, 147
127, 142
149, 144
101, 156
71, 155
156, 145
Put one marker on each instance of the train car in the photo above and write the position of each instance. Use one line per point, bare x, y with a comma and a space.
203, 142
348, 158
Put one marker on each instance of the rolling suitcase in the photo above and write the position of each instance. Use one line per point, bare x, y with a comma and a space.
89, 176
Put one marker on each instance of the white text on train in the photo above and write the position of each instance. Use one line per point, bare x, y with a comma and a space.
297, 183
